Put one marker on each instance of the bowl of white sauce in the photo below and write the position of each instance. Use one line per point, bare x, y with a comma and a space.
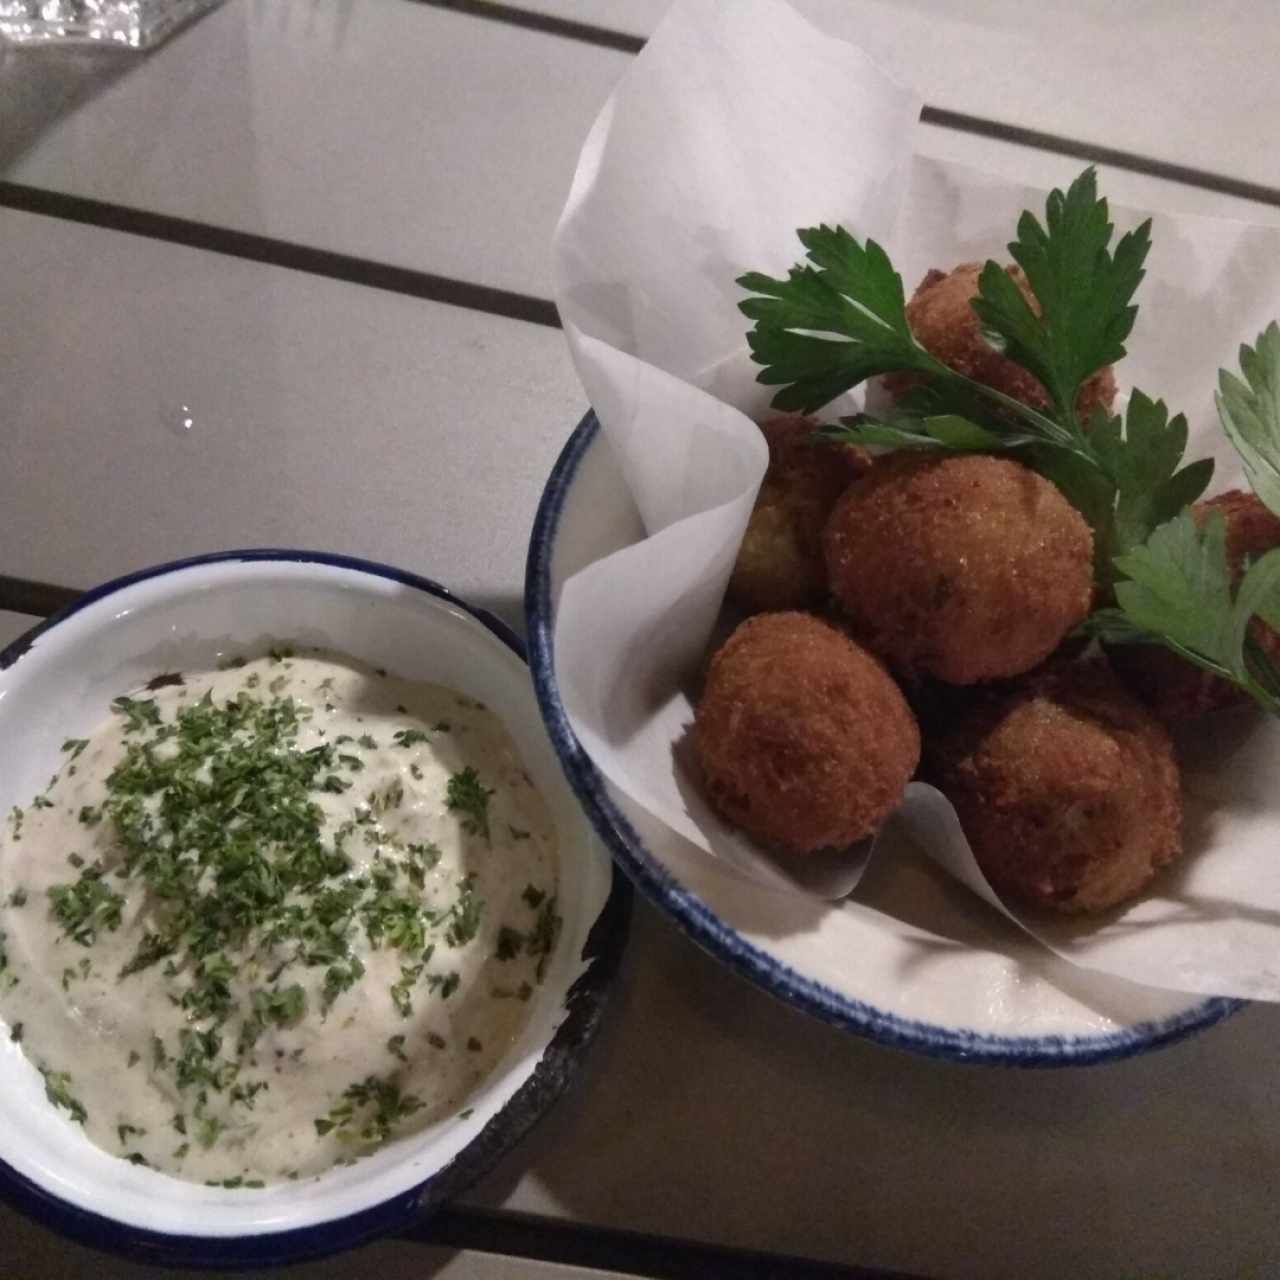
300, 926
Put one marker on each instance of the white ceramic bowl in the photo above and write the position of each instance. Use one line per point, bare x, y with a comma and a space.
54, 683
913, 960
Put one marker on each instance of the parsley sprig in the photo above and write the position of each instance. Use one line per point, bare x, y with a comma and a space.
1178, 587
465, 794
841, 319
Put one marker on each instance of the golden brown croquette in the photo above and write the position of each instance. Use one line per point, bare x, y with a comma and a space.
780, 563
1065, 785
803, 739
964, 567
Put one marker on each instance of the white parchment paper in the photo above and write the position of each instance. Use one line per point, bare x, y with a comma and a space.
736, 125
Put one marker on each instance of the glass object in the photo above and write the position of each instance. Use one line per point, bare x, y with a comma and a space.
135, 23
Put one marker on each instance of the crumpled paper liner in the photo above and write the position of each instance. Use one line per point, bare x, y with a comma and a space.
736, 125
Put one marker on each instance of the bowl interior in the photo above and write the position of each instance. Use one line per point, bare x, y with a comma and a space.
912, 958
185, 619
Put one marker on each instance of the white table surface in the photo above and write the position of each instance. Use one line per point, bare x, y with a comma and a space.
331, 414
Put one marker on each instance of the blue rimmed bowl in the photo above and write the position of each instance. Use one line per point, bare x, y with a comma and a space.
913, 960
55, 682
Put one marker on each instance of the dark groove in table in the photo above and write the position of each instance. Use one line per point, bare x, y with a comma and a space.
962, 122
636, 1253
1098, 154
39, 599
279, 253
546, 23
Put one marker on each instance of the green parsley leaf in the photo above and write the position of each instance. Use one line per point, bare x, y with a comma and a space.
831, 325
369, 1110
1178, 586
139, 713
57, 1088
1250, 413
467, 795
85, 907
542, 940
1177, 592
464, 917
1085, 291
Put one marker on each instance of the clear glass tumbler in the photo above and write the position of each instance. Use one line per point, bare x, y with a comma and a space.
135, 23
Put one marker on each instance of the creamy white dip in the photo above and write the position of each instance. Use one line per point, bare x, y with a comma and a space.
267, 918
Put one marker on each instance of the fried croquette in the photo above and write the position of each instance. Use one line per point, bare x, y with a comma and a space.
1172, 687
1066, 787
780, 564
803, 739
946, 325
963, 567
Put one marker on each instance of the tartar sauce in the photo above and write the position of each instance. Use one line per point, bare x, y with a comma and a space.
268, 918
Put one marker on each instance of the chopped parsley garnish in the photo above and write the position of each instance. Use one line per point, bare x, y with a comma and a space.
342, 977
468, 796
75, 746
126, 1131
57, 1088
85, 907
542, 938
15, 1032
409, 737
533, 896
422, 858
369, 1110
15, 822
139, 713
464, 918
395, 1047
443, 983
510, 943
401, 991
395, 920
380, 802
436, 1041
18, 898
